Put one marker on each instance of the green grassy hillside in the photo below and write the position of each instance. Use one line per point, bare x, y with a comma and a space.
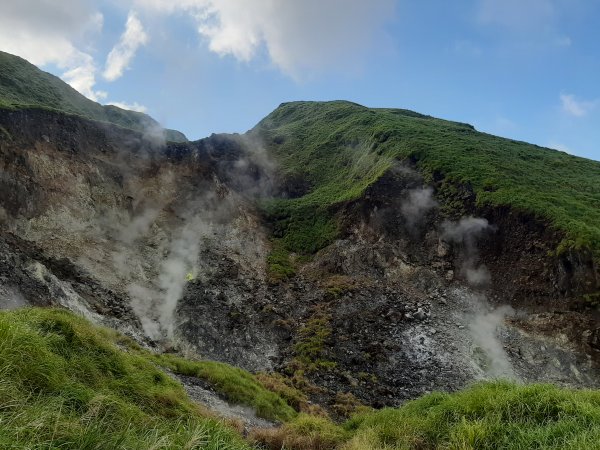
341, 148
67, 384
24, 85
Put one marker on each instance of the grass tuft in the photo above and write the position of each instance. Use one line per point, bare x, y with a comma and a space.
487, 416
237, 385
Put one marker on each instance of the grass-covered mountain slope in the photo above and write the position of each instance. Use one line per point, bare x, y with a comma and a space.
65, 383
23, 85
338, 149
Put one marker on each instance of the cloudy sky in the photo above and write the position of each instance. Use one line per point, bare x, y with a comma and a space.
525, 69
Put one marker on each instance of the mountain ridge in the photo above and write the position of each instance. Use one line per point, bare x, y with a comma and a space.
23, 85
558, 187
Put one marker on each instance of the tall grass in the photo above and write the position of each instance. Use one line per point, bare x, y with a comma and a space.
487, 416
490, 416
235, 384
64, 384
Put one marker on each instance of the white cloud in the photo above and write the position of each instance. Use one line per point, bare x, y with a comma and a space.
44, 32
121, 55
82, 76
559, 146
518, 15
533, 23
135, 106
300, 37
575, 107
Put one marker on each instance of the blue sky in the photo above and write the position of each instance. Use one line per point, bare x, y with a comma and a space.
524, 69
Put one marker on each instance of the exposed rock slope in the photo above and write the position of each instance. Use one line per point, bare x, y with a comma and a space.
419, 288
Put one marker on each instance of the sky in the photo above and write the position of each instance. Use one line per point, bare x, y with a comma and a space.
524, 69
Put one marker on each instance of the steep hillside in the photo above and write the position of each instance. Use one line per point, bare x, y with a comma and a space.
23, 85
149, 239
336, 150
66, 384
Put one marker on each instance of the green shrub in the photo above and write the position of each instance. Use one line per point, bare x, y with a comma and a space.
279, 263
310, 346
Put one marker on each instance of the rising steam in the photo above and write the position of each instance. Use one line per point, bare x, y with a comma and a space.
485, 321
169, 231
11, 298
155, 303
466, 233
182, 260
416, 205
484, 328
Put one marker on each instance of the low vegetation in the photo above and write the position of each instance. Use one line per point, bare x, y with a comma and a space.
65, 384
304, 433
311, 343
341, 148
498, 415
280, 265
287, 388
236, 385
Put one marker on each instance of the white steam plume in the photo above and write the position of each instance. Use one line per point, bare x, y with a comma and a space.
159, 245
143, 301
11, 298
417, 204
138, 226
155, 134
486, 321
479, 276
155, 304
181, 263
466, 232
484, 328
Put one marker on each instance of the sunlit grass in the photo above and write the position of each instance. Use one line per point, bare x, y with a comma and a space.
487, 416
65, 384
341, 148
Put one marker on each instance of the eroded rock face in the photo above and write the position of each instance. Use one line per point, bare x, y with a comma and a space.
167, 245
129, 214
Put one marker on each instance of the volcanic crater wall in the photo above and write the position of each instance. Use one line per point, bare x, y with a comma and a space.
165, 242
